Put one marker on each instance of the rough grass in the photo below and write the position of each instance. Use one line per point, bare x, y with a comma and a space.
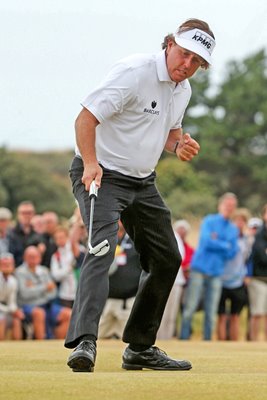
32, 370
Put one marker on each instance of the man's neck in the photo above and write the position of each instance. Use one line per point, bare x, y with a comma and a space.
3, 233
32, 268
25, 228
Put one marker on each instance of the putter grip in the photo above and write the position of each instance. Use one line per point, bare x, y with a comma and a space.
93, 190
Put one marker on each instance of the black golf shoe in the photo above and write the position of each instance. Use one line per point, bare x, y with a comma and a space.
82, 359
152, 358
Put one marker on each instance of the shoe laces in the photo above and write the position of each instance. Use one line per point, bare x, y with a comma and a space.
158, 350
87, 345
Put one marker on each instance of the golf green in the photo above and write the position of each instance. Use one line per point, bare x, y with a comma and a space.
35, 370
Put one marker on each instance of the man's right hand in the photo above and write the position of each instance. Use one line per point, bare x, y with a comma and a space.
50, 286
92, 172
18, 314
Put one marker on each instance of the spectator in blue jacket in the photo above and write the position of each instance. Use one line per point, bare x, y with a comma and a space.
218, 243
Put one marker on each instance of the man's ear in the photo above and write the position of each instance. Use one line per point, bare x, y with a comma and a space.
170, 44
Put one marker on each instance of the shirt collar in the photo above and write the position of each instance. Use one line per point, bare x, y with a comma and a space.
162, 70
162, 67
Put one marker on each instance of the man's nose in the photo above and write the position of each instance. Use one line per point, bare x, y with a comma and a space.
188, 62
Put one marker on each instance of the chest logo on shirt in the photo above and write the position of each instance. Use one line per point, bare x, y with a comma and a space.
152, 111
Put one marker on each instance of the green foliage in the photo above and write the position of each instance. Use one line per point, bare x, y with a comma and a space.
3, 195
23, 178
233, 132
184, 190
231, 127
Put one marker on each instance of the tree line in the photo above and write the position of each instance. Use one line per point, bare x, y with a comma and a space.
230, 125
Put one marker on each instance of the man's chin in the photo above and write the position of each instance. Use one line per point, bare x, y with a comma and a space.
179, 77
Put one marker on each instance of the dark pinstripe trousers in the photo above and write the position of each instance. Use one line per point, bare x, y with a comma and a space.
148, 222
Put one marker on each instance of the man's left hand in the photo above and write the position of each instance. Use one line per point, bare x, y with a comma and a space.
187, 148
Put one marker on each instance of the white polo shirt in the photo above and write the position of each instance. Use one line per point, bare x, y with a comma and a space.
8, 294
137, 105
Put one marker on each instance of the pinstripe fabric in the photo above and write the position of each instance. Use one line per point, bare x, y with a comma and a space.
147, 221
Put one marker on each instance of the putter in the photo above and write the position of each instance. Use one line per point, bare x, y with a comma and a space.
103, 247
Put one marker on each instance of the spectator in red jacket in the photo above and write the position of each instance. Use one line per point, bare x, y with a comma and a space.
182, 228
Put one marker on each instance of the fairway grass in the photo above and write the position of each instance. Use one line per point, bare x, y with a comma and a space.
37, 370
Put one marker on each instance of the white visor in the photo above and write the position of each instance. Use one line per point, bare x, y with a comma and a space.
198, 42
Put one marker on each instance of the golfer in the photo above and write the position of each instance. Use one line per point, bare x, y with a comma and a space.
124, 126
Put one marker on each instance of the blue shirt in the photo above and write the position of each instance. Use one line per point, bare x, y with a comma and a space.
218, 243
236, 269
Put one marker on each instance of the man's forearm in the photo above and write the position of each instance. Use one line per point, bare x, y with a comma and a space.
174, 137
85, 128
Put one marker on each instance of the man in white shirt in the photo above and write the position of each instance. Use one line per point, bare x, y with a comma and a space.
5, 223
10, 315
124, 126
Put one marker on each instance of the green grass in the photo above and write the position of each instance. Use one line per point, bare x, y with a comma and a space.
221, 371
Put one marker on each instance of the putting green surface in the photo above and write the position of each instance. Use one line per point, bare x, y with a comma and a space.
221, 371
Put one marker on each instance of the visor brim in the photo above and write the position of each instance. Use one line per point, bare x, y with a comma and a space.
194, 47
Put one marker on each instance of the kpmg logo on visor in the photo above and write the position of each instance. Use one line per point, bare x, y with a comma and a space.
206, 41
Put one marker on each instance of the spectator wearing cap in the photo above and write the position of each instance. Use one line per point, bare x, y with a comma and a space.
10, 315
181, 229
5, 222
257, 287
254, 224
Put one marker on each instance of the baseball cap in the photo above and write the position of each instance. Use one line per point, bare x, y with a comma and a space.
254, 222
181, 223
198, 42
5, 213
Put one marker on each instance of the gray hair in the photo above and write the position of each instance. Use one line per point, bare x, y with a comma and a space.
6, 255
227, 195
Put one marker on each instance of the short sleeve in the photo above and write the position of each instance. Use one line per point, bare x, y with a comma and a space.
118, 89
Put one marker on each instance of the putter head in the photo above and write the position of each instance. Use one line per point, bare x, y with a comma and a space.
100, 249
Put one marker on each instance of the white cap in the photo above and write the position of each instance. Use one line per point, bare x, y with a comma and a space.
198, 42
5, 213
255, 222
181, 223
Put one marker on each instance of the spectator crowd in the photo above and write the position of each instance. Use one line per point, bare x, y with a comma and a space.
41, 257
